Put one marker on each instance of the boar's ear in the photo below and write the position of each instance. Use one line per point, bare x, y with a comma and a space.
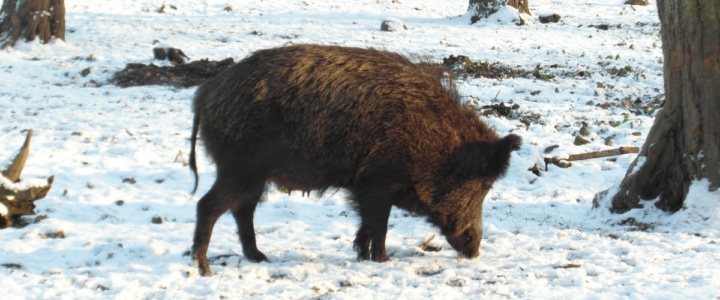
486, 159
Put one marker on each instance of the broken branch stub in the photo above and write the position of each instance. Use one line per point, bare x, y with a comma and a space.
14, 170
14, 201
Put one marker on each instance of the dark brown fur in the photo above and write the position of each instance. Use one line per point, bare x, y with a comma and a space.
390, 131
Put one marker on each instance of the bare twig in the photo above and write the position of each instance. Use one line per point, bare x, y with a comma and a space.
425, 244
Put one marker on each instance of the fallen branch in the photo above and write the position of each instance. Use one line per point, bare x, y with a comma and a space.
565, 162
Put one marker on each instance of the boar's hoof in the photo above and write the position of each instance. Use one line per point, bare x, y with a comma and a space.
256, 256
376, 256
203, 266
362, 247
380, 257
363, 255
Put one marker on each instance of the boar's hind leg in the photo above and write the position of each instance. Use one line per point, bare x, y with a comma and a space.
243, 213
209, 209
374, 210
240, 196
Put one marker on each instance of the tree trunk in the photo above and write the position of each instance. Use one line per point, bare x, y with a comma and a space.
684, 142
481, 9
31, 18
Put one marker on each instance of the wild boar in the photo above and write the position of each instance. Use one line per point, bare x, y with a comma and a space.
388, 129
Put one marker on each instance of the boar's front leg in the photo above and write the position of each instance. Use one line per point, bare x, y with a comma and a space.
374, 209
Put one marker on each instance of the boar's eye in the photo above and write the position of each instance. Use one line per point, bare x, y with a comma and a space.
468, 238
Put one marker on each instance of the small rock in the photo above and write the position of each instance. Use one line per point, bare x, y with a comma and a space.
40, 218
392, 24
12, 265
157, 220
85, 72
160, 53
584, 131
53, 235
459, 62
551, 148
456, 282
579, 141
603, 27
346, 283
174, 55
553, 18
568, 266
535, 170
609, 142
636, 2
129, 180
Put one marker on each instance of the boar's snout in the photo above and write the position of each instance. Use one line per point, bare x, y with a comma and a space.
467, 243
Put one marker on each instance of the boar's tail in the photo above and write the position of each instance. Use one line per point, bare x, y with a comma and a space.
193, 141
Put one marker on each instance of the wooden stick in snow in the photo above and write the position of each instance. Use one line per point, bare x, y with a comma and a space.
564, 163
603, 153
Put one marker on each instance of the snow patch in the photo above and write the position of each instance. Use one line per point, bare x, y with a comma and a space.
640, 161
24, 184
701, 208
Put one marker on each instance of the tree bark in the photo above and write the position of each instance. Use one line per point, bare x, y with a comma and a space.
683, 144
29, 19
481, 9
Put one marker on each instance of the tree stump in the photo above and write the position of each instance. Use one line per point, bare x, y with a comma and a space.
17, 199
29, 19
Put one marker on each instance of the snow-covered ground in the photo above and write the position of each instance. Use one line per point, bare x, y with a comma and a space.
121, 217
